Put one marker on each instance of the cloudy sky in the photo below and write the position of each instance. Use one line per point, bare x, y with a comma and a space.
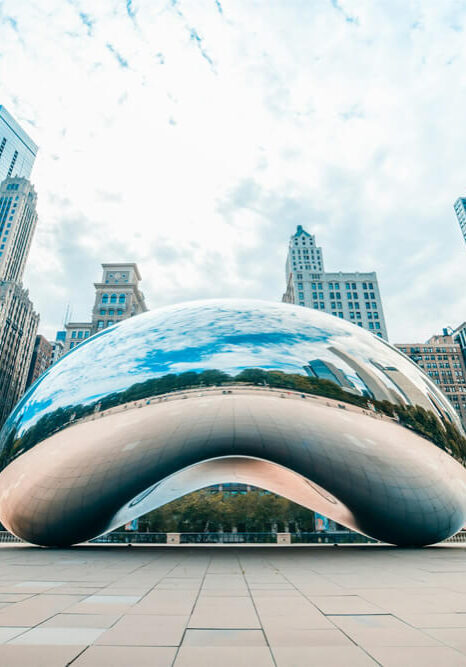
193, 136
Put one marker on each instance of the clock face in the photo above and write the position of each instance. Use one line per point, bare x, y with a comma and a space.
117, 276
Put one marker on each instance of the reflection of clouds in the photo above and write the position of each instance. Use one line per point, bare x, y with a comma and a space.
227, 335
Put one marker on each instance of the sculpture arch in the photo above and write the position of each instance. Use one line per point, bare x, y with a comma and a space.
150, 409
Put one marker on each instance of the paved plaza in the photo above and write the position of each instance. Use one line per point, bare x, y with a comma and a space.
221, 606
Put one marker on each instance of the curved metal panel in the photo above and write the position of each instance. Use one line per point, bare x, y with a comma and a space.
98, 437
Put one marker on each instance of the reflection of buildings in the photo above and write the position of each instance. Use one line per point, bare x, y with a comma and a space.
117, 297
459, 336
41, 359
375, 386
410, 392
58, 346
17, 150
442, 359
18, 219
325, 370
460, 210
351, 296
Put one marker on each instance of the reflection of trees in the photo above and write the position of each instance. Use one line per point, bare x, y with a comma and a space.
442, 433
254, 511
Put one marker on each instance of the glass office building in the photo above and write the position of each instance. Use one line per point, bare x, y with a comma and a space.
17, 150
460, 210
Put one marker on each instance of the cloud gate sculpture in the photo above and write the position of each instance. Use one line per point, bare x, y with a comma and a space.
281, 397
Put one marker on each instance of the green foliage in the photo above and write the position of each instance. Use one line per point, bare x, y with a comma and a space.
204, 511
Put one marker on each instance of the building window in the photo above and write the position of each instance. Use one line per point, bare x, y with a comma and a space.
80, 334
10, 170
102, 311
111, 311
113, 298
109, 323
100, 324
119, 311
121, 298
104, 298
73, 334
86, 334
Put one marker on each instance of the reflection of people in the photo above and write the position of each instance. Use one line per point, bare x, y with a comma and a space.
321, 523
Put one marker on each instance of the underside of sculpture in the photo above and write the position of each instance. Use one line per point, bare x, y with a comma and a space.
284, 398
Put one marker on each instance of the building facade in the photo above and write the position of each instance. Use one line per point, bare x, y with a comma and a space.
351, 296
41, 359
442, 359
58, 347
117, 297
460, 210
18, 220
18, 328
17, 150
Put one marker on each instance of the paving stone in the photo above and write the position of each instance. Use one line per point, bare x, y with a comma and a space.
224, 656
323, 656
58, 636
224, 638
224, 612
278, 636
416, 656
220, 606
32, 656
80, 621
122, 656
10, 632
147, 630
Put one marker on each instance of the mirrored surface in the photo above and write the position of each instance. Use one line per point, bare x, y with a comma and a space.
167, 390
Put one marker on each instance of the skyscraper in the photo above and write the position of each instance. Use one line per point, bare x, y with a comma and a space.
18, 220
351, 296
460, 210
442, 359
18, 327
17, 150
117, 297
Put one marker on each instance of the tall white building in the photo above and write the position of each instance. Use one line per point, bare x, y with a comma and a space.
351, 296
18, 220
460, 210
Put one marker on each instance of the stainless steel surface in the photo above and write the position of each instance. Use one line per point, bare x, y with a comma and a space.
122, 424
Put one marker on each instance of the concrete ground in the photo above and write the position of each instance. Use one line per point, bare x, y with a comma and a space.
211, 606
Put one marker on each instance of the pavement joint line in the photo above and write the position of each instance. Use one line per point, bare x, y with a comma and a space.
335, 626
192, 610
251, 597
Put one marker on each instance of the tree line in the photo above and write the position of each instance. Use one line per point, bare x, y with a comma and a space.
442, 433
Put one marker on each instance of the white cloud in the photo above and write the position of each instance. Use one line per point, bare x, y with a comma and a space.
193, 137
